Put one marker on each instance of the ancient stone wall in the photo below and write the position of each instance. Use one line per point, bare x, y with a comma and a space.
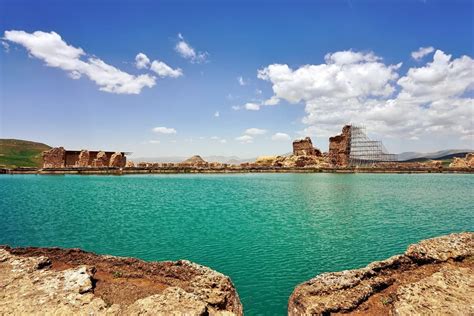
83, 160
117, 160
54, 158
304, 147
101, 160
340, 148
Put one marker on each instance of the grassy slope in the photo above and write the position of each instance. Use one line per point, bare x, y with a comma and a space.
21, 153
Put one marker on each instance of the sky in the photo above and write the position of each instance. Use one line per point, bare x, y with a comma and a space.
244, 78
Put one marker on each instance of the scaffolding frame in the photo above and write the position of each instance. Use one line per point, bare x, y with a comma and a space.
364, 151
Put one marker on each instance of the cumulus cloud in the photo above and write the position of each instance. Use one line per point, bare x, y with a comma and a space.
186, 51
251, 106
280, 136
255, 131
353, 87
142, 61
422, 52
163, 70
164, 130
55, 52
217, 114
244, 139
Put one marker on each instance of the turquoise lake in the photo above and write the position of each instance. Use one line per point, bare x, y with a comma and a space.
268, 232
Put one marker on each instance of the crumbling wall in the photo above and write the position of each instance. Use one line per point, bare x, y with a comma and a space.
304, 147
83, 160
117, 160
101, 160
340, 148
54, 158
466, 162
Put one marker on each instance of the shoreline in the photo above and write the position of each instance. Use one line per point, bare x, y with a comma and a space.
227, 170
191, 170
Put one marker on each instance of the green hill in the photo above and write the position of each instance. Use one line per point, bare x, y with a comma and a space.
21, 153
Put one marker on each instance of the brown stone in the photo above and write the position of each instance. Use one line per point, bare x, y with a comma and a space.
101, 160
304, 147
83, 160
54, 158
117, 160
466, 162
129, 164
54, 281
340, 148
434, 276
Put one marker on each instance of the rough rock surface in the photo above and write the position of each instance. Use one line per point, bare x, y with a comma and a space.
194, 161
83, 160
117, 160
434, 276
292, 161
466, 162
130, 164
70, 282
340, 148
304, 147
54, 158
101, 160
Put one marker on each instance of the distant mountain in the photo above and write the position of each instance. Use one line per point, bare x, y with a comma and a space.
21, 153
442, 154
221, 159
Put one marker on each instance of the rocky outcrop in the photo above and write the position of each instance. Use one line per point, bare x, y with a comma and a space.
304, 147
466, 162
101, 160
340, 148
130, 164
434, 276
54, 158
117, 160
194, 161
83, 160
68, 282
292, 161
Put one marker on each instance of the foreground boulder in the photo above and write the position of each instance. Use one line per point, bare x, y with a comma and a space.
68, 282
433, 277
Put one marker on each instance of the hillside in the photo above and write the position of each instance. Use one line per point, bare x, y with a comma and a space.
21, 153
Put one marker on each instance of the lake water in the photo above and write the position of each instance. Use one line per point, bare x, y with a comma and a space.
268, 232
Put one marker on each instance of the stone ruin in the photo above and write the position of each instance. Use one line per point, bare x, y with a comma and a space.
340, 148
304, 147
61, 158
54, 158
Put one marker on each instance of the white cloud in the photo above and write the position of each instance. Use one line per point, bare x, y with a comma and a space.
244, 139
141, 61
219, 139
255, 131
422, 52
280, 136
6, 46
217, 114
188, 52
358, 88
55, 52
241, 81
272, 101
163, 70
252, 106
164, 130
235, 107
153, 141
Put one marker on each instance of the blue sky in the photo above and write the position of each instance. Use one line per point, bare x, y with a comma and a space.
325, 63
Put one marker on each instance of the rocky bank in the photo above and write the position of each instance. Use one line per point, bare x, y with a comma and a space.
57, 281
433, 277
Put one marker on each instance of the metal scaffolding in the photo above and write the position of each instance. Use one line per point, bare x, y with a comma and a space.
364, 151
